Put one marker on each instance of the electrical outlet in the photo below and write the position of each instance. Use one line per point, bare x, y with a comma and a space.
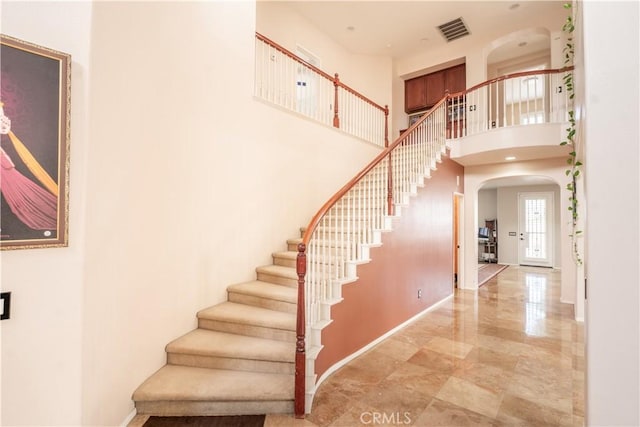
419, 293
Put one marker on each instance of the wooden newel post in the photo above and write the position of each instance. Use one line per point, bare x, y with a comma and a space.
386, 126
301, 357
336, 116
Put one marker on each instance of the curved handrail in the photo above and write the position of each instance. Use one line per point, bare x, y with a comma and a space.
511, 76
335, 79
301, 261
376, 161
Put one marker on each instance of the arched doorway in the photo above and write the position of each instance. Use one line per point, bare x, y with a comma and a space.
525, 211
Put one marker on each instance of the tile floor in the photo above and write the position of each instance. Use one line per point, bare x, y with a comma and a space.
509, 355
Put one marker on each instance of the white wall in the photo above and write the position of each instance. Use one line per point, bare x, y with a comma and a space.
508, 221
41, 343
487, 205
181, 184
611, 141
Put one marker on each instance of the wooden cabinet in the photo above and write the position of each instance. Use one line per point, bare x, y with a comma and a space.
436, 86
456, 79
415, 94
421, 93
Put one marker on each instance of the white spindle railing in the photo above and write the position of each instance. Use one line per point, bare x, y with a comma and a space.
350, 222
284, 79
518, 99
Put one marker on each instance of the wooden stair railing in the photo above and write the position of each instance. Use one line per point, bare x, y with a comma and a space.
529, 97
353, 112
394, 168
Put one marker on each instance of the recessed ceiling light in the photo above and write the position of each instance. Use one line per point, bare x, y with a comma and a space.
510, 158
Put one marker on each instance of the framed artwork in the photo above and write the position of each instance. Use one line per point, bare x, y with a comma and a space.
34, 145
413, 118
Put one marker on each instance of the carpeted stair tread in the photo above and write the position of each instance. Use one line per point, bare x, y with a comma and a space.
184, 383
286, 254
266, 290
246, 314
278, 270
285, 258
220, 344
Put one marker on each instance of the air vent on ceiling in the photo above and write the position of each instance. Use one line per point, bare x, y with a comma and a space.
454, 29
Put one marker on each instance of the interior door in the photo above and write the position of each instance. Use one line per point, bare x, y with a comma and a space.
307, 84
535, 229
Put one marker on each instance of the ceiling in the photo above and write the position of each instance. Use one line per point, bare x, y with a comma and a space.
405, 28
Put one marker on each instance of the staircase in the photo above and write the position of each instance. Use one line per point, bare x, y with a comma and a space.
240, 359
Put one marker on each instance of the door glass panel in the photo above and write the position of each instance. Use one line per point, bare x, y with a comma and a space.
535, 227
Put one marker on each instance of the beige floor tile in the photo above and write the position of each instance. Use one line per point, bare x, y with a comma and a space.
416, 379
497, 359
435, 362
442, 413
449, 347
358, 415
328, 407
555, 393
286, 420
516, 411
396, 398
486, 376
470, 396
397, 349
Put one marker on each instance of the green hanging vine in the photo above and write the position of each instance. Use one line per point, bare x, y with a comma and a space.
574, 164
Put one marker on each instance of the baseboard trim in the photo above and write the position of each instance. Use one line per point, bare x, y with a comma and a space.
131, 416
373, 343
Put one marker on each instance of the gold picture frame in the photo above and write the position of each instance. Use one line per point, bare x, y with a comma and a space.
35, 97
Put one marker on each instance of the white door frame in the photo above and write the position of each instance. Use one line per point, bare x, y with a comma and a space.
460, 243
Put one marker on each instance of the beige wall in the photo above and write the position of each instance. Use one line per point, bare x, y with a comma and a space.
181, 184
41, 357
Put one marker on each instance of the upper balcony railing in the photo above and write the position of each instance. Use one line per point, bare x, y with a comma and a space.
290, 82
525, 98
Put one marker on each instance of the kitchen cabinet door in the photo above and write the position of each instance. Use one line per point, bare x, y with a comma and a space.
435, 87
415, 93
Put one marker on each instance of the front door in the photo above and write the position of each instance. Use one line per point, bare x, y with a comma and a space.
535, 229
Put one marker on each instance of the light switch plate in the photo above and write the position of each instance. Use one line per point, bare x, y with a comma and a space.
5, 307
